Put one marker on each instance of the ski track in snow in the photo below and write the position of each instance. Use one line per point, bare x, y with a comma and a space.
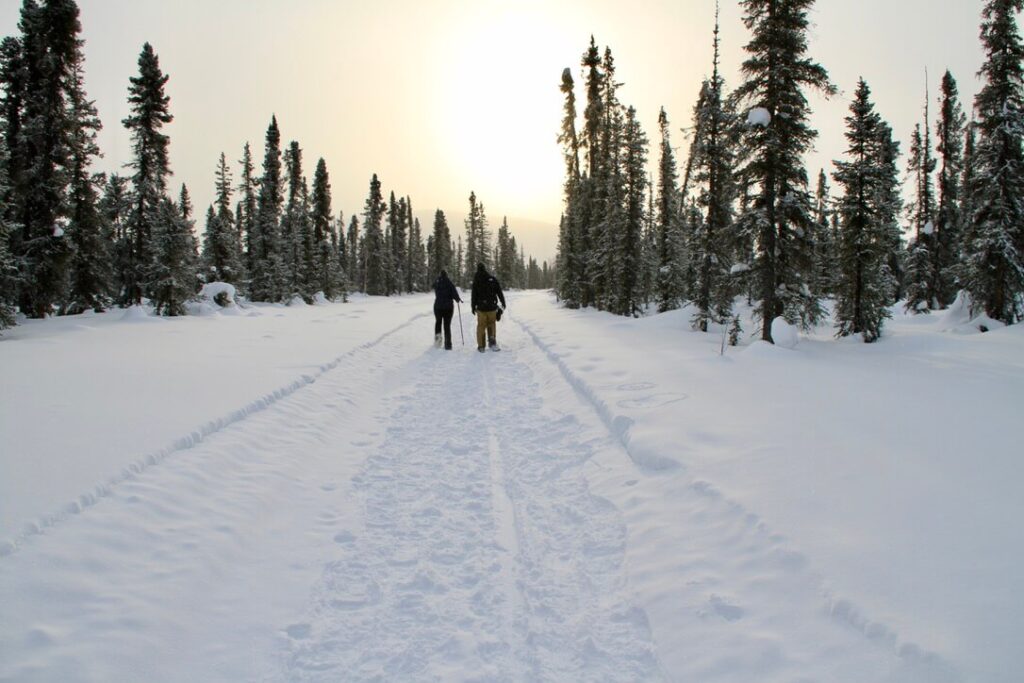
196, 436
483, 556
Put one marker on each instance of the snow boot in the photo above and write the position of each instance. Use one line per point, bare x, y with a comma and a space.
437, 341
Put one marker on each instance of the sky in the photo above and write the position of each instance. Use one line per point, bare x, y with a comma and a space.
444, 97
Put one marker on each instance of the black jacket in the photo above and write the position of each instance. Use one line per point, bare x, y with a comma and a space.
445, 293
486, 293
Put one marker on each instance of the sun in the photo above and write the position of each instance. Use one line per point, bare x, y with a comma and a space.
499, 109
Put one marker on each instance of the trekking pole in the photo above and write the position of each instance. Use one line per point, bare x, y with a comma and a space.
460, 324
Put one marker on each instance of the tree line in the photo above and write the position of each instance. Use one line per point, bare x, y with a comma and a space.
73, 240
740, 220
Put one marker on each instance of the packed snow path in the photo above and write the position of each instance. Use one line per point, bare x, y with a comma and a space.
405, 513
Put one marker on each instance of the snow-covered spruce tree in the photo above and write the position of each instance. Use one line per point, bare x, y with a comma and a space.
91, 273
222, 251
150, 112
712, 165
607, 203
295, 229
670, 280
324, 277
776, 75
478, 240
375, 278
627, 291
948, 218
246, 212
570, 270
421, 280
824, 241
40, 151
8, 267
396, 235
994, 263
922, 266
115, 208
172, 274
267, 275
864, 282
441, 256
504, 264
356, 266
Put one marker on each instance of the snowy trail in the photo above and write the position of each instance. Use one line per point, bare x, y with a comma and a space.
483, 554
411, 513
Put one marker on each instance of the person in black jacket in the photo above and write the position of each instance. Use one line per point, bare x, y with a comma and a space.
445, 296
484, 303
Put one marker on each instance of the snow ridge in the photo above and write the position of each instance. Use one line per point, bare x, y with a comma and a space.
196, 436
618, 425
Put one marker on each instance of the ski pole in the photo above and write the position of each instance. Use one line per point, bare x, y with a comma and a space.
460, 324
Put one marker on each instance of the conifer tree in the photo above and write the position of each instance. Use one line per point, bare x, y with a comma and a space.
172, 273
355, 270
441, 256
922, 265
864, 282
778, 220
569, 255
293, 226
247, 209
994, 264
115, 210
478, 239
150, 111
374, 246
91, 274
48, 74
267, 271
627, 289
325, 274
670, 284
8, 267
948, 218
825, 239
712, 165
222, 253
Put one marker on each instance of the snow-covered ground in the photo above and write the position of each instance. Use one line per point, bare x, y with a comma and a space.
316, 493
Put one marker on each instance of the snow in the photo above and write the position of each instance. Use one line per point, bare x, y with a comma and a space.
784, 335
738, 268
759, 116
928, 228
211, 290
316, 493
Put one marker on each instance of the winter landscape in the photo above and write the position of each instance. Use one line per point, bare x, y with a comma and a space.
751, 412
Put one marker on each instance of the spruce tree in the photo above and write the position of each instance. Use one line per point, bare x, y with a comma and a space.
325, 275
222, 252
247, 210
356, 266
778, 220
115, 208
267, 274
172, 273
712, 165
374, 246
478, 239
670, 283
441, 256
41, 151
91, 268
8, 267
922, 264
994, 263
568, 286
627, 289
150, 112
864, 282
948, 218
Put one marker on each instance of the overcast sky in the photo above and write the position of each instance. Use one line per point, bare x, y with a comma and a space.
441, 97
